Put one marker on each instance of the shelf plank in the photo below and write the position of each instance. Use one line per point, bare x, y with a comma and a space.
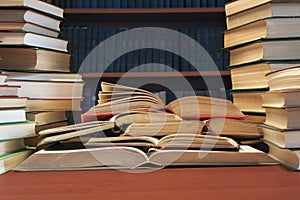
156, 74
141, 10
140, 17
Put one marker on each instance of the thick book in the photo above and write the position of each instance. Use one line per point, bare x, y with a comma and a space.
283, 138
249, 101
282, 98
30, 16
9, 146
115, 98
17, 130
32, 40
283, 79
31, 59
132, 158
11, 160
270, 28
246, 11
54, 104
12, 115
239, 130
46, 117
9, 90
34, 4
27, 27
271, 50
289, 158
283, 118
253, 75
10, 102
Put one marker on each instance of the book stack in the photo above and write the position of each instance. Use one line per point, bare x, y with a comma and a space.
281, 129
262, 36
13, 126
35, 58
140, 131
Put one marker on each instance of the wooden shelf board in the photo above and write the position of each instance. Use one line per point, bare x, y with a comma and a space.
141, 10
157, 74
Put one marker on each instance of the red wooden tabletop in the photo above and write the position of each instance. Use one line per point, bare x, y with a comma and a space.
261, 182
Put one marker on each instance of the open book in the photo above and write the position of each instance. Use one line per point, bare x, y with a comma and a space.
124, 157
135, 123
116, 98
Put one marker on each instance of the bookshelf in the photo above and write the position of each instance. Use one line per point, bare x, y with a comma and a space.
172, 18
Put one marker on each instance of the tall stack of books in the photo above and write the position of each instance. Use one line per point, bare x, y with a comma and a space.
282, 129
37, 60
13, 126
262, 36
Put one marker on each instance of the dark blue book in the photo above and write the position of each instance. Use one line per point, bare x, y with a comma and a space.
94, 44
117, 3
188, 3
75, 52
131, 3
94, 4
108, 3
154, 4
211, 3
181, 3
86, 3
124, 3
167, 3
196, 3
161, 4
184, 48
101, 3
204, 3
80, 3
82, 46
73, 4
100, 54
139, 3
123, 58
174, 3
146, 3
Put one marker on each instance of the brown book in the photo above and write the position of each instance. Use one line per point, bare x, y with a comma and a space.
32, 40
270, 28
32, 17
240, 130
270, 50
253, 76
33, 59
54, 104
35, 5
283, 79
246, 11
249, 101
282, 98
283, 118
46, 117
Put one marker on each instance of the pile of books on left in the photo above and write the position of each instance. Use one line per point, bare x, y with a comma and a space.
13, 126
36, 64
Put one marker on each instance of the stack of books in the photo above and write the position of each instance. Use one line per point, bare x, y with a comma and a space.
132, 128
35, 58
262, 36
13, 126
281, 129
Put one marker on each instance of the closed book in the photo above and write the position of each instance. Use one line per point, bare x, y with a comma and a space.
11, 160
243, 12
9, 102
33, 40
30, 59
9, 146
271, 50
36, 5
27, 27
31, 17
269, 28
17, 130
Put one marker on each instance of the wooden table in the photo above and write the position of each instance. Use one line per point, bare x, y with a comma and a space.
263, 182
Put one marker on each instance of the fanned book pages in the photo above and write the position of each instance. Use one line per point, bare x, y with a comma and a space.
114, 99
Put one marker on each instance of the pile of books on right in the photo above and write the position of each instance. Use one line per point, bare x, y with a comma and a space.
282, 128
